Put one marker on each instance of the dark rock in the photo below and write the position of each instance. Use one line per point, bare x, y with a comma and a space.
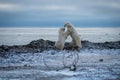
57, 70
22, 59
4, 47
101, 60
41, 45
73, 68
25, 65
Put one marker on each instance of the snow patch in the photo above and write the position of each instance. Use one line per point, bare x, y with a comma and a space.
65, 72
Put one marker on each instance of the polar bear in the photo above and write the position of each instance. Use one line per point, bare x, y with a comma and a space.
61, 38
76, 41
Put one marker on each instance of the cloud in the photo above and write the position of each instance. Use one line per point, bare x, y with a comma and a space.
86, 11
8, 7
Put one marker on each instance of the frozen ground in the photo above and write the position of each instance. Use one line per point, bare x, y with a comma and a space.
29, 66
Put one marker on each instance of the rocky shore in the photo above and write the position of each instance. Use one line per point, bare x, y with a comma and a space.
41, 45
97, 61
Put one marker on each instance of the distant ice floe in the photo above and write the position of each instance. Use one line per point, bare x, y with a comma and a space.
21, 36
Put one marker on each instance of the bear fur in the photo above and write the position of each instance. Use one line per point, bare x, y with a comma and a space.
76, 41
61, 39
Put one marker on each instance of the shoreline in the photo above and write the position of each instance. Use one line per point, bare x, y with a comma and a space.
24, 36
40, 45
57, 27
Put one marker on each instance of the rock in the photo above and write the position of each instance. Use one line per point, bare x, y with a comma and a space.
1, 50
4, 47
50, 42
57, 70
22, 59
41, 45
25, 65
101, 60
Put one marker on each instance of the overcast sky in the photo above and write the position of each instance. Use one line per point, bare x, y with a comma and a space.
82, 13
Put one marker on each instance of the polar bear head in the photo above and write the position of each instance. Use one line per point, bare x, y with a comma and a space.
61, 30
68, 25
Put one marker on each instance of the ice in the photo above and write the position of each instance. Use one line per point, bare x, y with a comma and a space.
65, 72
30, 66
21, 36
36, 58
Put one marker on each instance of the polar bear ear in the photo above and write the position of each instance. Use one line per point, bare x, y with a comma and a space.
62, 29
66, 24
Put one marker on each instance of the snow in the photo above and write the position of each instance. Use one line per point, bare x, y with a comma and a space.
30, 66
65, 72
37, 58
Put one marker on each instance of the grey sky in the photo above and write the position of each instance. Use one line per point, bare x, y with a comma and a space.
57, 12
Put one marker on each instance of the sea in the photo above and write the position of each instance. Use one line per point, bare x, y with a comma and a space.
21, 36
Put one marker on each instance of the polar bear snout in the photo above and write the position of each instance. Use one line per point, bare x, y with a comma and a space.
67, 25
63, 29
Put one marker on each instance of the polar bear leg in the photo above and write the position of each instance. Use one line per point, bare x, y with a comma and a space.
59, 45
78, 44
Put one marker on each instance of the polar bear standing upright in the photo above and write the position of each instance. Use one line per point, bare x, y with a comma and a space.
61, 39
74, 35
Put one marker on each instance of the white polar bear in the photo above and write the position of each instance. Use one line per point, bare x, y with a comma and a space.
61, 39
76, 42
